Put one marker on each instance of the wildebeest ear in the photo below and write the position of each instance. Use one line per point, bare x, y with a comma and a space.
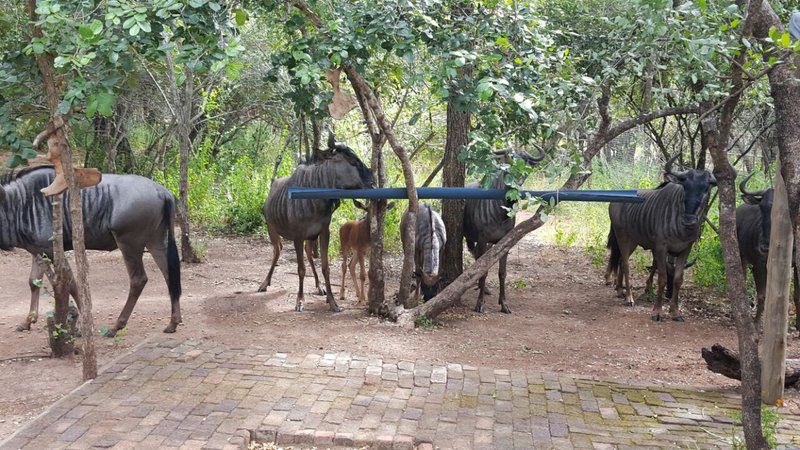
752, 199
331, 140
359, 205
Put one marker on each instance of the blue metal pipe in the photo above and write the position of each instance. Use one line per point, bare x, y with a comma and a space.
622, 196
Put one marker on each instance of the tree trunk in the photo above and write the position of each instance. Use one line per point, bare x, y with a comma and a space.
776, 307
377, 215
785, 91
82, 265
453, 176
717, 132
726, 363
183, 110
62, 325
363, 89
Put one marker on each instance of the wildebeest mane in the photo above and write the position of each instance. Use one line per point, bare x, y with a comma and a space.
363, 171
12, 175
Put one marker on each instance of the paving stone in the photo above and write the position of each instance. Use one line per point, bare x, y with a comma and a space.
174, 393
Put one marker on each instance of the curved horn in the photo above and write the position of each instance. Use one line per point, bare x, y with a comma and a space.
670, 162
331, 140
743, 186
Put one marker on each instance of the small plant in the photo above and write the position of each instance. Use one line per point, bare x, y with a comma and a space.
769, 419
519, 284
424, 322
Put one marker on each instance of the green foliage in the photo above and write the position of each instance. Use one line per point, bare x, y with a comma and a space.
769, 419
424, 322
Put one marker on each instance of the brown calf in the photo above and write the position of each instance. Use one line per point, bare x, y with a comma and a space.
354, 236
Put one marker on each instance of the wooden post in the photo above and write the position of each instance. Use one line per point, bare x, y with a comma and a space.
776, 312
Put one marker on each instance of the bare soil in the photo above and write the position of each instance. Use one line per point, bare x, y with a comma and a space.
564, 320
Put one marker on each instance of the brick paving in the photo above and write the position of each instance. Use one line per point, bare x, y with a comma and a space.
184, 394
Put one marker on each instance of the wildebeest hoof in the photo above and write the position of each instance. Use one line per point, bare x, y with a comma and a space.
479, 309
678, 319
321, 291
261, 289
171, 328
299, 308
657, 318
111, 332
504, 309
336, 309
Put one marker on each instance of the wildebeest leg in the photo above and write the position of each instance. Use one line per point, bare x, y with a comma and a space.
132, 255
358, 290
301, 273
501, 275
480, 248
310, 254
660, 266
324, 240
34, 281
159, 253
277, 246
674, 302
344, 275
760, 278
623, 273
363, 276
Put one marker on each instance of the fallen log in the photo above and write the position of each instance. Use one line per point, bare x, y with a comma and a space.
726, 362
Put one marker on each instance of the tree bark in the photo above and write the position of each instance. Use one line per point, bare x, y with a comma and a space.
453, 175
62, 325
377, 212
726, 363
183, 117
785, 92
776, 308
717, 131
361, 87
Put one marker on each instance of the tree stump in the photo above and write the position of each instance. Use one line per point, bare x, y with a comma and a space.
726, 362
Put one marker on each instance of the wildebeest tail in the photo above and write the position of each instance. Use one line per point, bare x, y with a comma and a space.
173, 259
613, 260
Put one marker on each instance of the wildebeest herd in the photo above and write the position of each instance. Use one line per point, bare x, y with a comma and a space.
133, 213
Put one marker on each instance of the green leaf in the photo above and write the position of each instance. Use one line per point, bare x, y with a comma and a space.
134, 30
145, 26
785, 40
37, 282
37, 47
85, 31
60, 61
214, 6
240, 17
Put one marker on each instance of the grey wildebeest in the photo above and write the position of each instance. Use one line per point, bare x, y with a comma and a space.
305, 220
429, 240
487, 221
753, 227
128, 212
668, 222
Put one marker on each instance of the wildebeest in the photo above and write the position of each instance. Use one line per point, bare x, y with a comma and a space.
753, 227
128, 212
429, 241
305, 220
486, 222
668, 222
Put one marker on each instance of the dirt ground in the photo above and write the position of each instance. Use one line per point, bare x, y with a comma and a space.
564, 320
